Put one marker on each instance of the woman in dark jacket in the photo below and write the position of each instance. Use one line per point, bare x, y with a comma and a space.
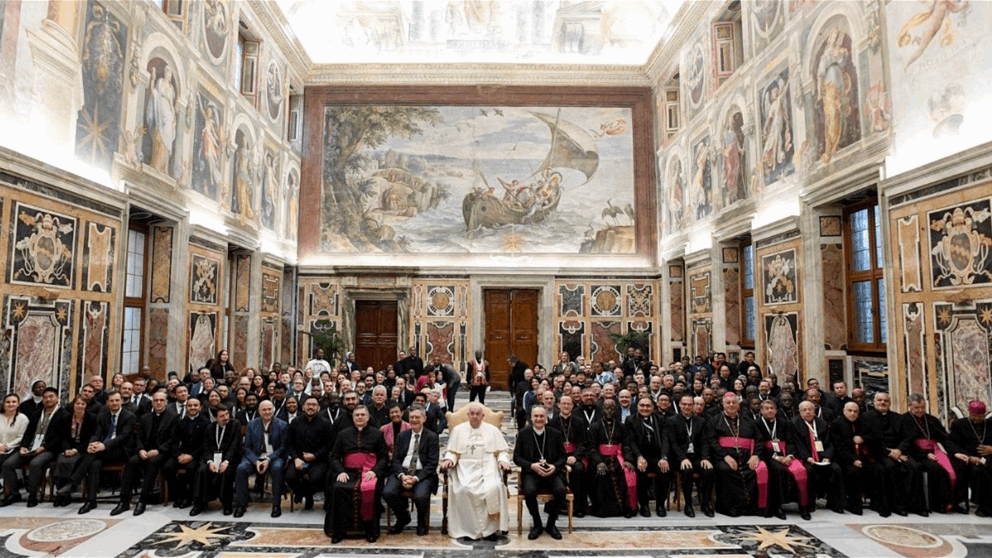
73, 432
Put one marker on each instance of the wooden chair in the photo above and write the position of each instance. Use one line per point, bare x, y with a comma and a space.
494, 418
544, 496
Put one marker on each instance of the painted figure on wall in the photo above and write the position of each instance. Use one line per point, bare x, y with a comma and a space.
838, 123
783, 351
292, 205
242, 195
676, 199
767, 17
270, 190
777, 148
208, 142
734, 156
702, 180
696, 74
273, 88
104, 52
215, 27
937, 16
160, 115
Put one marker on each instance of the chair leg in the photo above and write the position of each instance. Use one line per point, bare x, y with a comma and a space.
571, 507
520, 514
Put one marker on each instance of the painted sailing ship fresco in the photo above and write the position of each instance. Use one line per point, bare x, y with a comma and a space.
477, 180
533, 199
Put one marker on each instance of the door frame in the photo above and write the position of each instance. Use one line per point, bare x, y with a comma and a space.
544, 284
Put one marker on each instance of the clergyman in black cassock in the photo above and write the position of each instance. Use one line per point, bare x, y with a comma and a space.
358, 463
615, 482
735, 462
540, 454
689, 443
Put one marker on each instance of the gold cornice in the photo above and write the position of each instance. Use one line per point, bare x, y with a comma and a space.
474, 74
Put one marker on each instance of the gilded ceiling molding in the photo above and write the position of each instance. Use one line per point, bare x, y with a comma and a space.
473, 74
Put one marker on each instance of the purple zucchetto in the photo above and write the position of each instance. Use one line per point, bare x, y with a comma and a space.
976, 408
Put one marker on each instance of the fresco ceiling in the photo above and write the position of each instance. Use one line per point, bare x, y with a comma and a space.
480, 31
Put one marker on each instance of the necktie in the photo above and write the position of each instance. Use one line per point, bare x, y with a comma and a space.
413, 454
182, 410
113, 429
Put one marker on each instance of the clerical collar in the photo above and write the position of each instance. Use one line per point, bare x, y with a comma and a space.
539, 432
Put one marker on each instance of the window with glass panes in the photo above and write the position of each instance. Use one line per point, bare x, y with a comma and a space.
865, 280
747, 296
134, 299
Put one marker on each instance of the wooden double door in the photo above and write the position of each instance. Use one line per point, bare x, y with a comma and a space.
510, 328
376, 333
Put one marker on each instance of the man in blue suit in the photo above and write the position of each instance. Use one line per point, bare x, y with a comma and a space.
264, 452
416, 453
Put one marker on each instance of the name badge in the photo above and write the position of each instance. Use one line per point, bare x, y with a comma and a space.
691, 448
818, 445
38, 439
218, 457
777, 446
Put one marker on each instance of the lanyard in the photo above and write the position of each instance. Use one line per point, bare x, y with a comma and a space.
771, 429
540, 448
220, 435
812, 428
688, 428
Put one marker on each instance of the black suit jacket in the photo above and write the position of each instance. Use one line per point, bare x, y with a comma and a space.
526, 452
644, 442
165, 439
230, 443
189, 435
50, 439
678, 438
433, 419
804, 447
124, 439
429, 453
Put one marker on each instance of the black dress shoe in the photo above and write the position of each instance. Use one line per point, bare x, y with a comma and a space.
119, 509
923, 513
780, 514
554, 532
13, 498
982, 512
689, 512
399, 526
228, 510
196, 510
32, 500
804, 513
645, 511
276, 510
177, 503
660, 511
707, 511
900, 513
421, 530
308, 503
239, 512
371, 537
336, 538
183, 504
87, 507
535, 532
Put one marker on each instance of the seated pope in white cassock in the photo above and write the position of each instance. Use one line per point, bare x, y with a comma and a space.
476, 456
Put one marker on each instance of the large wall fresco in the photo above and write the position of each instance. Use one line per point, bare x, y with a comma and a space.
477, 179
941, 77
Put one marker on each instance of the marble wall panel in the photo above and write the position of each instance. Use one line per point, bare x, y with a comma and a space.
603, 347
161, 269
242, 291
98, 258
676, 295
782, 344
732, 304
834, 302
42, 247
910, 268
779, 275
269, 340
571, 299
965, 336
960, 238
204, 279
37, 344
323, 299
640, 300
830, 225
571, 334
239, 350
872, 374
702, 337
202, 336
158, 340
606, 301
440, 341
271, 285
417, 301
914, 347
701, 300
93, 343
440, 301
